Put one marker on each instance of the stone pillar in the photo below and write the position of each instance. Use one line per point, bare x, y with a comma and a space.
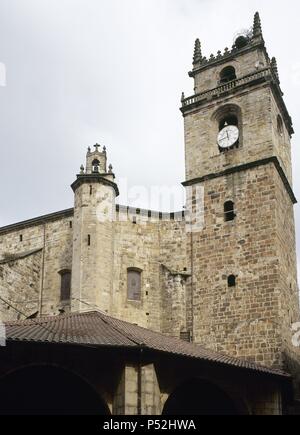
151, 402
138, 392
268, 403
126, 396
174, 302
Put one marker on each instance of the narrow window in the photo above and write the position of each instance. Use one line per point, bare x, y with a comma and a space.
71, 224
280, 125
91, 190
65, 285
134, 220
21, 237
134, 283
231, 281
227, 74
89, 240
229, 213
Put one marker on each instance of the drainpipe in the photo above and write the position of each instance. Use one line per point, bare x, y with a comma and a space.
43, 271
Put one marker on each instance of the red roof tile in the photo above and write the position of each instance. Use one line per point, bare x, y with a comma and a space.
97, 329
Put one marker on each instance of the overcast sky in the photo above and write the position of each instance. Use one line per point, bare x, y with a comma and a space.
112, 71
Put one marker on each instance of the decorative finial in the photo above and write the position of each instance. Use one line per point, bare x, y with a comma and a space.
104, 149
89, 149
197, 51
182, 97
219, 55
212, 57
257, 30
110, 169
81, 169
97, 146
226, 51
275, 67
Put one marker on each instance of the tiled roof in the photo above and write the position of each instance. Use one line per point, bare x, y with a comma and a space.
99, 330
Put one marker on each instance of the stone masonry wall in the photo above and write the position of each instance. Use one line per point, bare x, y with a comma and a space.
241, 321
281, 142
289, 313
20, 286
93, 240
54, 241
146, 245
244, 64
201, 130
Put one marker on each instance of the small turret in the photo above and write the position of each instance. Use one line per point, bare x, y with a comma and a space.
96, 160
93, 230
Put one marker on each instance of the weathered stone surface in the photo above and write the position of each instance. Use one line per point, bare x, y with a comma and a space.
184, 286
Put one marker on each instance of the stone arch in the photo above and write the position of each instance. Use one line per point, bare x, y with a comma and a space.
202, 397
48, 389
227, 74
235, 63
230, 113
96, 165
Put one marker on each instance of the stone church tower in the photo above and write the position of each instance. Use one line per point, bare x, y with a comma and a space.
94, 214
221, 274
238, 150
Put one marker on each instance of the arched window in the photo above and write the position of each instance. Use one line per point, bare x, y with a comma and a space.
229, 115
229, 213
227, 74
228, 120
231, 281
134, 284
65, 285
96, 166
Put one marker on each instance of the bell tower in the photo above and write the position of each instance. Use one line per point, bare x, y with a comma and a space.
238, 150
95, 192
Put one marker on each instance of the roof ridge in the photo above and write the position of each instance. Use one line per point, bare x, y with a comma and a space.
120, 330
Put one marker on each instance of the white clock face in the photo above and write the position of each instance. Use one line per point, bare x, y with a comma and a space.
228, 136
